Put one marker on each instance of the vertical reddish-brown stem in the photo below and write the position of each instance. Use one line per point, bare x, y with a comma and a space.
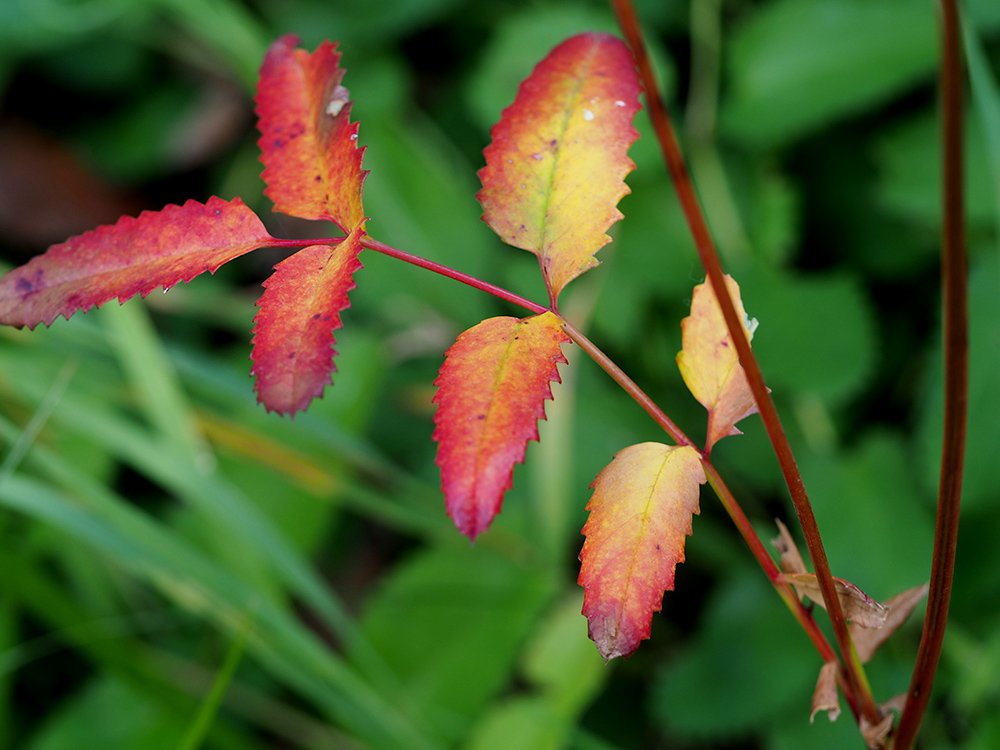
956, 348
706, 250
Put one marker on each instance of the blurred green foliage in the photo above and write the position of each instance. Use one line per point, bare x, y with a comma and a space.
151, 510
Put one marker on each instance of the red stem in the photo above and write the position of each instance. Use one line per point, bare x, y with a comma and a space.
416, 260
709, 257
451, 273
956, 351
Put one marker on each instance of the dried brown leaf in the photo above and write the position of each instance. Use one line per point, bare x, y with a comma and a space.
858, 607
791, 559
867, 640
876, 734
825, 697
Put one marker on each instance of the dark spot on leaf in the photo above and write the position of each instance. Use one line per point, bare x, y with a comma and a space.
480, 417
27, 286
315, 316
553, 143
278, 143
658, 547
291, 355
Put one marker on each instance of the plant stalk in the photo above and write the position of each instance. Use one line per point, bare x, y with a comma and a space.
954, 283
451, 273
416, 260
698, 226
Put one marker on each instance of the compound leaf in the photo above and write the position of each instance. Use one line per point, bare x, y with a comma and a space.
293, 329
312, 164
710, 365
133, 256
491, 393
640, 514
556, 166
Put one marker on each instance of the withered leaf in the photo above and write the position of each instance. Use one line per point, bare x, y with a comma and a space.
858, 607
791, 559
825, 697
867, 640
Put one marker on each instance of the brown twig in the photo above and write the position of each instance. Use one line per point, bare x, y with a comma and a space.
667, 138
956, 350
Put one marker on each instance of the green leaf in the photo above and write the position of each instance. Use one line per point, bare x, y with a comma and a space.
450, 623
517, 45
909, 162
800, 734
419, 181
859, 498
816, 334
797, 65
748, 664
111, 715
979, 486
561, 661
521, 723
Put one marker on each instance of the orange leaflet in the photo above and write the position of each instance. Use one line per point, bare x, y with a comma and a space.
491, 393
312, 165
556, 166
293, 330
132, 256
640, 514
710, 365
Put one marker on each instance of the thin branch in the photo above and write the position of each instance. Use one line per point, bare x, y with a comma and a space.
627, 384
416, 260
698, 226
956, 351
475, 283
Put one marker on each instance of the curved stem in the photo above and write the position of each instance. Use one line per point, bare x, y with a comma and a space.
416, 260
956, 350
776, 433
475, 283
627, 384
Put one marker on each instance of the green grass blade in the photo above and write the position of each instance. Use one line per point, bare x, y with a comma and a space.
115, 529
202, 722
153, 379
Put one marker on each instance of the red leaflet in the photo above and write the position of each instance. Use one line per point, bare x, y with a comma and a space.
491, 393
710, 365
133, 256
640, 514
556, 167
312, 165
293, 329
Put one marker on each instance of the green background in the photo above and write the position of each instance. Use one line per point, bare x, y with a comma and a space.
179, 569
